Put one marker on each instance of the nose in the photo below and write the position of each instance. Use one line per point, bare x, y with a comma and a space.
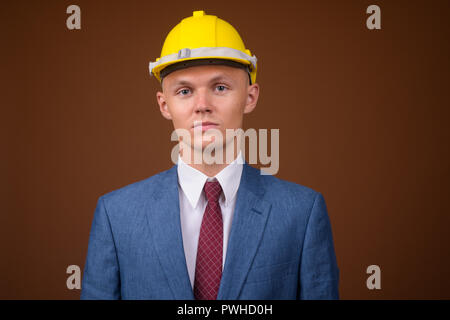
202, 103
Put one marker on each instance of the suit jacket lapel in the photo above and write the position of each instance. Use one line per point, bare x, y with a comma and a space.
163, 215
249, 221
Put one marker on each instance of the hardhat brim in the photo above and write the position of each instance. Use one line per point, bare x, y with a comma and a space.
215, 53
204, 62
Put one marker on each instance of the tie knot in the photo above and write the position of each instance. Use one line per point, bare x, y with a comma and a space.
213, 191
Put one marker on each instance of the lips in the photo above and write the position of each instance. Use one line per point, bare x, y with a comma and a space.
205, 125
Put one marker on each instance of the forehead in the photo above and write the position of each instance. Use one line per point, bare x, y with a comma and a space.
205, 74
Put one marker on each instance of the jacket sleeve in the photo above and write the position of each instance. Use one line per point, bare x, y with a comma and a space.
101, 278
319, 273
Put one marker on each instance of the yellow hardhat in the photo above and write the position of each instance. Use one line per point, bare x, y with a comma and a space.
203, 39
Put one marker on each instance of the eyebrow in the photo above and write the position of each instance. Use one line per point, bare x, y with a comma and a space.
183, 82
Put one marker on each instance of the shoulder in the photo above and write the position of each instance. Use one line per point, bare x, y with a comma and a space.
287, 194
135, 193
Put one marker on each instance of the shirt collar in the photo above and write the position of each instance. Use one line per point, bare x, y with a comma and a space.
192, 180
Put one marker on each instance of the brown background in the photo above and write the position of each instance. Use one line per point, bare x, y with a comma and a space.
363, 118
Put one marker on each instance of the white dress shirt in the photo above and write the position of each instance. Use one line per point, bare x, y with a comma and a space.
193, 204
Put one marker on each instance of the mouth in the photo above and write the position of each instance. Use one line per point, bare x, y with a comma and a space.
204, 125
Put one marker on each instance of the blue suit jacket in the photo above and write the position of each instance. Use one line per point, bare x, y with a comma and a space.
280, 245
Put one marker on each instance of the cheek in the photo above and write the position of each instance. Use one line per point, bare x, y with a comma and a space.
180, 111
233, 110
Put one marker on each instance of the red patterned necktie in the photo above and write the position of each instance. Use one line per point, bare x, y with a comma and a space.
208, 268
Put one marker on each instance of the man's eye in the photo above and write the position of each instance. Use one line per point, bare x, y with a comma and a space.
184, 92
221, 88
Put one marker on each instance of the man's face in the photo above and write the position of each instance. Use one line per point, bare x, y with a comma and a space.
207, 97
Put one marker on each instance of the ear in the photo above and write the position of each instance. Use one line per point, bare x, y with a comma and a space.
160, 97
252, 97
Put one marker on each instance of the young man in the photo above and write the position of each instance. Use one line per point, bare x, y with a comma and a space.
209, 230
